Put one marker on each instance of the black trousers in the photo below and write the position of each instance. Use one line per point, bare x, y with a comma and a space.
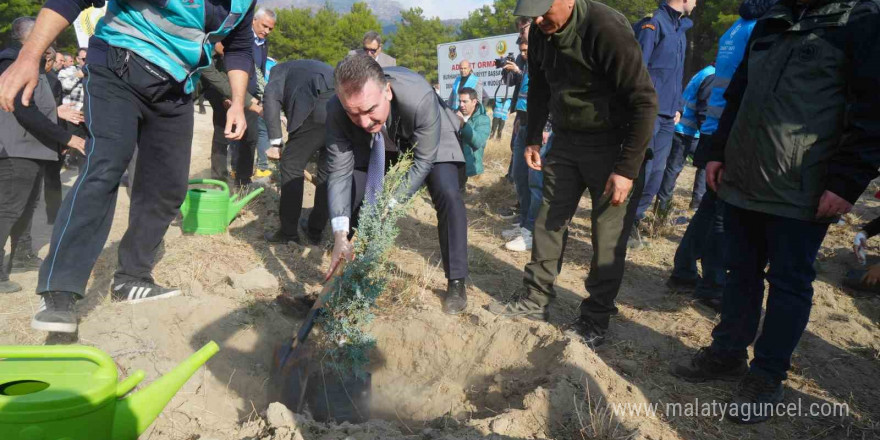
19, 191
445, 192
244, 168
301, 145
219, 143
124, 107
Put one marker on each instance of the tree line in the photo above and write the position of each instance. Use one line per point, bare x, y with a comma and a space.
328, 35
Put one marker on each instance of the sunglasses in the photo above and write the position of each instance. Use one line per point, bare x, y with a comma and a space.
370, 51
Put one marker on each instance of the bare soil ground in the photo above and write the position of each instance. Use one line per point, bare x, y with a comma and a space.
469, 376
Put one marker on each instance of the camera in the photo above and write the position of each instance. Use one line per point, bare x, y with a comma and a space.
500, 62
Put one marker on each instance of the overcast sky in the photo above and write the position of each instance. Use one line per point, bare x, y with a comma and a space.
446, 9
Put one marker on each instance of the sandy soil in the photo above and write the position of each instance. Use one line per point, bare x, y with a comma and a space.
469, 376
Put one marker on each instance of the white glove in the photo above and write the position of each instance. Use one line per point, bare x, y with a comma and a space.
859, 245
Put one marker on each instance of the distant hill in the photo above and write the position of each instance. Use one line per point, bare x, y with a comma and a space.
388, 11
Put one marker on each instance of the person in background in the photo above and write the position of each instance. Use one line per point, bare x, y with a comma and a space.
523, 241
68, 61
499, 116
81, 57
599, 145
300, 89
363, 136
517, 76
372, 45
865, 280
704, 238
797, 144
59, 61
684, 144
263, 25
29, 137
664, 43
475, 126
466, 79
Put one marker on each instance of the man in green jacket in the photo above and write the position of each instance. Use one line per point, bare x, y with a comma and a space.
474, 132
797, 144
585, 69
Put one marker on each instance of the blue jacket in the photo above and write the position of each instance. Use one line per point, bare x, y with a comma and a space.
663, 40
731, 48
696, 99
472, 82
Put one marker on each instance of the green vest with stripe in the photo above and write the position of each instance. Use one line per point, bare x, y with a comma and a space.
169, 33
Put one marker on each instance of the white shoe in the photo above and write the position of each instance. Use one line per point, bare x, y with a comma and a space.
523, 243
510, 234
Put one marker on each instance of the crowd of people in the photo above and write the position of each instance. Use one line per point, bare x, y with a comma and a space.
784, 129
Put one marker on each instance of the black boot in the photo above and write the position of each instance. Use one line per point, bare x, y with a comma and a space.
755, 399
588, 330
456, 297
279, 237
23, 258
707, 365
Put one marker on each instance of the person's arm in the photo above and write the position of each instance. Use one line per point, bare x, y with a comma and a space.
539, 92
340, 165
35, 122
478, 134
857, 159
426, 140
620, 59
272, 104
238, 51
703, 95
648, 36
68, 79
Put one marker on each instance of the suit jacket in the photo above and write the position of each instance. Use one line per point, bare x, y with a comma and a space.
419, 121
383, 59
299, 88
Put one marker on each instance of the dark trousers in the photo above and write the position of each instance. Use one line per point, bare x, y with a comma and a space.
571, 168
497, 128
247, 146
122, 110
51, 184
661, 143
301, 145
753, 240
443, 186
704, 240
219, 143
682, 146
19, 191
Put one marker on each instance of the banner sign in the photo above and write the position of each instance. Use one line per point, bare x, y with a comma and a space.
482, 54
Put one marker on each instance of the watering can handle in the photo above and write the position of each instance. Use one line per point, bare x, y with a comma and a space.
105, 363
210, 182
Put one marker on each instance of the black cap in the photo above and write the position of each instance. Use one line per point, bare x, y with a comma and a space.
532, 8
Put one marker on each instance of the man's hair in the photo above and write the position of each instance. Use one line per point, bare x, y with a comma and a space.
521, 21
82, 49
353, 72
468, 91
21, 28
372, 36
264, 12
521, 41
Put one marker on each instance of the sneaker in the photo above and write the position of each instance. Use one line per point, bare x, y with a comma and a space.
510, 234
509, 214
588, 331
262, 174
56, 313
9, 286
681, 285
523, 243
523, 307
707, 365
25, 261
139, 291
755, 399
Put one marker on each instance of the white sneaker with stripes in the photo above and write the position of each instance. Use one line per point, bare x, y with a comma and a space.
134, 292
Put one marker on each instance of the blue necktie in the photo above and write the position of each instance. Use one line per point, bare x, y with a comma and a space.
376, 169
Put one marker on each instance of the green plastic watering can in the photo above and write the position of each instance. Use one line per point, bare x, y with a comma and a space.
71, 393
208, 211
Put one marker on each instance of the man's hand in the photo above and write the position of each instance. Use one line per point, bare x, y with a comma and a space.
619, 188
227, 103
511, 66
256, 107
69, 114
860, 244
677, 118
872, 276
235, 123
80, 74
273, 153
284, 120
714, 172
545, 137
78, 144
342, 248
831, 205
533, 157
24, 73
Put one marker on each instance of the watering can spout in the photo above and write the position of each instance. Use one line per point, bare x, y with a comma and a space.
135, 413
236, 205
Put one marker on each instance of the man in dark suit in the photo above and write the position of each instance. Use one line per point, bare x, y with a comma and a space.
301, 89
378, 114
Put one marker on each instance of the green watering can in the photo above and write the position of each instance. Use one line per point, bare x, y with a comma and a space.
210, 211
71, 393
